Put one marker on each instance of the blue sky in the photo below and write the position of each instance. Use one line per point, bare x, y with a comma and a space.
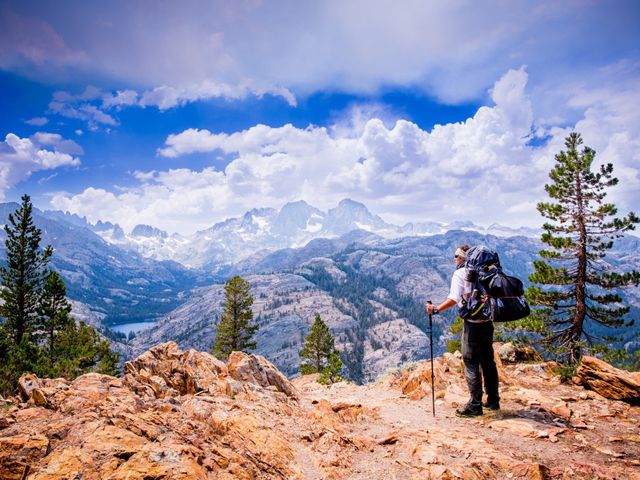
181, 114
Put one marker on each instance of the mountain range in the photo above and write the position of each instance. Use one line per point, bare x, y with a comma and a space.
366, 278
264, 230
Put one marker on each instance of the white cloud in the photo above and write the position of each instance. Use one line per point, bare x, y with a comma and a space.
55, 140
44, 180
37, 121
166, 97
21, 157
611, 125
190, 141
121, 98
484, 169
92, 105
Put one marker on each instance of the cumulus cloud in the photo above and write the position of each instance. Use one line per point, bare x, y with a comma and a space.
453, 170
55, 140
190, 141
611, 125
486, 169
21, 157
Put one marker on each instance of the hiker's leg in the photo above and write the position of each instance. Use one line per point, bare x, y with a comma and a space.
472, 370
489, 372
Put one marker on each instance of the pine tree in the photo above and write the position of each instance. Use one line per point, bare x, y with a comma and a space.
332, 372
53, 312
235, 328
38, 334
23, 275
80, 350
573, 287
70, 349
319, 354
455, 344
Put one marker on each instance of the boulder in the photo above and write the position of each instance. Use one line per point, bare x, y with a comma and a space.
608, 381
417, 383
258, 370
510, 353
26, 384
39, 397
165, 367
38, 391
562, 410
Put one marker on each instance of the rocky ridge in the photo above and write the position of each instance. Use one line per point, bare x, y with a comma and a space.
184, 414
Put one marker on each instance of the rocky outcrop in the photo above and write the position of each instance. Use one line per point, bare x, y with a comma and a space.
257, 370
608, 381
415, 382
175, 415
166, 370
185, 415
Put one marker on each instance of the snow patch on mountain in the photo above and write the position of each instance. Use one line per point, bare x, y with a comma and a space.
265, 230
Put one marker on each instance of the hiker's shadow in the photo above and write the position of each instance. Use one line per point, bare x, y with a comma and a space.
535, 413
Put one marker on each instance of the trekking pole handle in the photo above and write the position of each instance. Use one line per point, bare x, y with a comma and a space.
435, 310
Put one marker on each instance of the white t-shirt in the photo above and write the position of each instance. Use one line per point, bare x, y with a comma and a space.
459, 286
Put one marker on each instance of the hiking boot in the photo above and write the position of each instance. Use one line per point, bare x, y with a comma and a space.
492, 404
469, 411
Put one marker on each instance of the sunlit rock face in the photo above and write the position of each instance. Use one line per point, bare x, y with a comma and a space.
183, 414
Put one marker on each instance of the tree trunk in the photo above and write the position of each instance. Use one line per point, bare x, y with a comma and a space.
581, 277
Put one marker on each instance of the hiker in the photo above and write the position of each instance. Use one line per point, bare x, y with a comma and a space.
477, 343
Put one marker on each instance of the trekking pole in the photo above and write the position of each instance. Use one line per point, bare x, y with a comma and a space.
433, 382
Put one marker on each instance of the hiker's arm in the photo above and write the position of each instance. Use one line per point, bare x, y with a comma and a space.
448, 303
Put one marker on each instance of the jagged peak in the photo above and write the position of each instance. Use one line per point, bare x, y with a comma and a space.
142, 230
352, 204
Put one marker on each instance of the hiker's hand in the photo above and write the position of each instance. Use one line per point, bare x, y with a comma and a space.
430, 308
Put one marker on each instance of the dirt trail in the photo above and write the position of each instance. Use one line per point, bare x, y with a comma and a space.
595, 438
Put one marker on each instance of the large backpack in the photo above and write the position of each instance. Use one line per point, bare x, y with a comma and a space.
496, 297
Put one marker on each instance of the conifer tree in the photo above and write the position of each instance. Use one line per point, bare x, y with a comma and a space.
24, 273
455, 344
79, 350
573, 288
319, 354
37, 334
53, 312
332, 372
235, 328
